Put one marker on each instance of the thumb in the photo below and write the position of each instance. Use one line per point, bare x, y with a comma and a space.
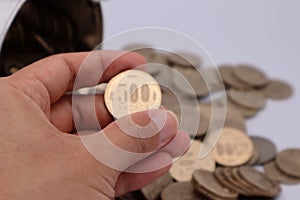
132, 138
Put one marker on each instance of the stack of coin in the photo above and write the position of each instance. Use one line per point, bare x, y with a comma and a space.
247, 181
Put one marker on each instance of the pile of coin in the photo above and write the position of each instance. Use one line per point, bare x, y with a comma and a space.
231, 170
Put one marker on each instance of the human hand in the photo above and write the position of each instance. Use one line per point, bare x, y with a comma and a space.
40, 159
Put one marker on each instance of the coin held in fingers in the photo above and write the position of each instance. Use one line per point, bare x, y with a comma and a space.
132, 91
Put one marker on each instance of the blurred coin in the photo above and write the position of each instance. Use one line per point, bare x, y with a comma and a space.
266, 148
277, 89
230, 80
184, 167
227, 172
180, 191
138, 47
153, 190
222, 179
256, 155
231, 117
288, 161
234, 119
188, 121
250, 99
205, 183
190, 81
157, 58
169, 99
184, 59
213, 79
234, 148
248, 113
203, 125
260, 181
243, 184
250, 75
132, 91
275, 174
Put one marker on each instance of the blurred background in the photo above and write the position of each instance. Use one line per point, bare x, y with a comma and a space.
263, 33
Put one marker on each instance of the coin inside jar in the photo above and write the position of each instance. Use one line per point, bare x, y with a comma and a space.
132, 91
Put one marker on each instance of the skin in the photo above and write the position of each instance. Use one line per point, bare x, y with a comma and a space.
40, 159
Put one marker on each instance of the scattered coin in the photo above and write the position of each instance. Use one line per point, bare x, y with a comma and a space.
190, 81
248, 113
235, 119
184, 59
169, 99
242, 183
203, 125
213, 79
227, 172
180, 191
266, 148
234, 148
250, 75
275, 174
289, 162
206, 183
260, 181
256, 155
231, 118
132, 91
230, 80
277, 89
184, 167
222, 179
159, 62
154, 190
188, 123
251, 99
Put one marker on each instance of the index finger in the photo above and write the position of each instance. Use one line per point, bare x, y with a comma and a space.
57, 74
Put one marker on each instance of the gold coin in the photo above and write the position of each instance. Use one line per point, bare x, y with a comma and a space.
132, 91
234, 148
182, 169
250, 75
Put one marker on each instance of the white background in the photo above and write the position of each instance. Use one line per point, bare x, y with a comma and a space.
264, 33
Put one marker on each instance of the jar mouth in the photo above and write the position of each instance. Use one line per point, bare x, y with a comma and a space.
37, 29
